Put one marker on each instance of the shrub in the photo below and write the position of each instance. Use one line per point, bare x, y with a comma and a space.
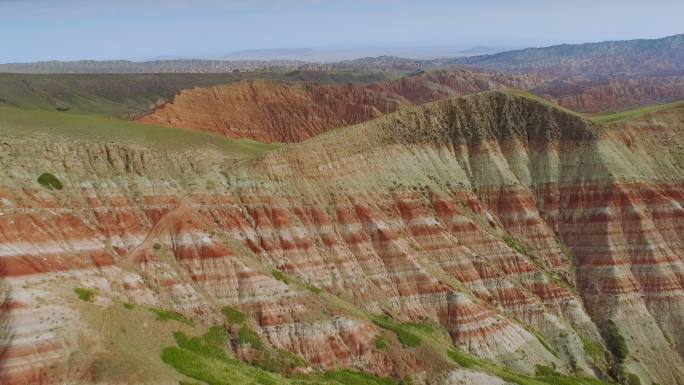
379, 343
84, 294
129, 306
280, 276
247, 336
514, 244
50, 181
156, 246
234, 315
165, 315
403, 332
616, 342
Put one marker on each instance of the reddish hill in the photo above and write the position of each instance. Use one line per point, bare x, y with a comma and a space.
272, 111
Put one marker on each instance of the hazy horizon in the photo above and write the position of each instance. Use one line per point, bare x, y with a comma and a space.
41, 30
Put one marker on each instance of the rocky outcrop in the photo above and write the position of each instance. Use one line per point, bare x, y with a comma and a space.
494, 217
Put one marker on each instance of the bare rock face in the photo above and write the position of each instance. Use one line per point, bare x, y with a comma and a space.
524, 231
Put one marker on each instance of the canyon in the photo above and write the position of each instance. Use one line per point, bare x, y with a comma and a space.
494, 238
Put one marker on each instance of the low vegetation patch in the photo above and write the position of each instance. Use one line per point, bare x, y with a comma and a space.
350, 377
403, 331
204, 358
50, 181
247, 336
514, 244
544, 375
84, 294
129, 306
462, 359
314, 289
165, 315
593, 350
379, 343
280, 276
616, 342
234, 315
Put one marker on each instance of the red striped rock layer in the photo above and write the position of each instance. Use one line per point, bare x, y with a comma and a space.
411, 209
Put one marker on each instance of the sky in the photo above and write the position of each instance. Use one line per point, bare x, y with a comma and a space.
34, 30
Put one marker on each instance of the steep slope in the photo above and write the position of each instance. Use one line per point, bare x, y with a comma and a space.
643, 56
281, 112
441, 244
601, 94
273, 112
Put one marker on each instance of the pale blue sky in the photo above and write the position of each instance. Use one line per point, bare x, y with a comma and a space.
33, 30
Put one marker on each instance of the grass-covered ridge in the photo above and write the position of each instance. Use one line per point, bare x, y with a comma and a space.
26, 123
613, 117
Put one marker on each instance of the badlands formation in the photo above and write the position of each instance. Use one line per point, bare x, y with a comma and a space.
490, 239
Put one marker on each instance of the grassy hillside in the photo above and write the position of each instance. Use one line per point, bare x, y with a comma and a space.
25, 122
611, 117
131, 95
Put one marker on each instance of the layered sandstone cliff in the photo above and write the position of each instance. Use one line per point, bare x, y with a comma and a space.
526, 233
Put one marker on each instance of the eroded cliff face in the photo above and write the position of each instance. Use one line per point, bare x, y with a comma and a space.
289, 112
612, 93
273, 111
524, 232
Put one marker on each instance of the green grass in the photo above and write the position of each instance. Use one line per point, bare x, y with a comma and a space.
234, 315
462, 359
247, 336
126, 95
129, 306
514, 244
543, 376
50, 181
616, 342
404, 332
349, 377
84, 294
634, 113
280, 276
314, 289
379, 343
593, 350
205, 358
27, 123
164, 315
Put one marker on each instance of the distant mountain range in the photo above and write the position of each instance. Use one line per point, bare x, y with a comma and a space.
644, 57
